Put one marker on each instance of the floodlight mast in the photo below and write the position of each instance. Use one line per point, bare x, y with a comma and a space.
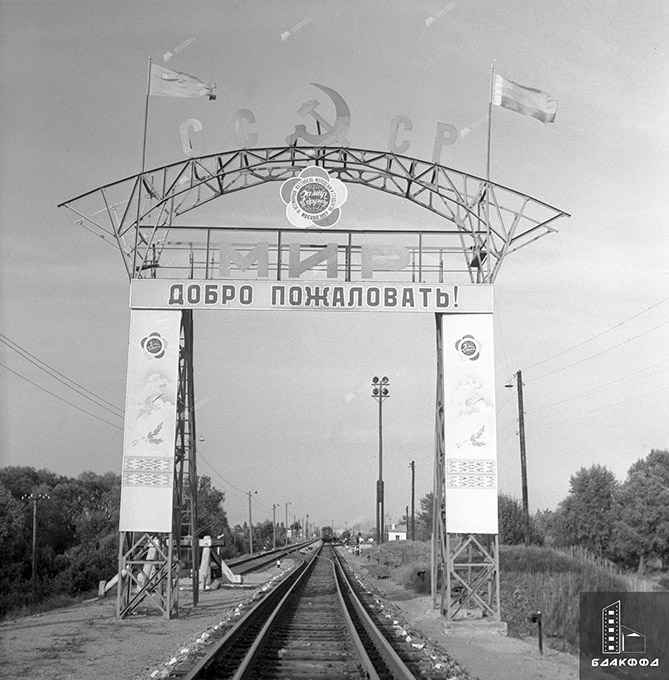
380, 392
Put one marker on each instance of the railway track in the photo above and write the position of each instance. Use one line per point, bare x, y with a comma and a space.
318, 623
261, 560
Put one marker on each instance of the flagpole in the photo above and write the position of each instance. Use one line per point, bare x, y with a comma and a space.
141, 178
487, 169
492, 80
146, 114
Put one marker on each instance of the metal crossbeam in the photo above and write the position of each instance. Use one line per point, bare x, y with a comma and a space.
487, 220
148, 573
479, 584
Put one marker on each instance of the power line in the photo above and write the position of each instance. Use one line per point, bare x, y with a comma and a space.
604, 351
57, 375
118, 427
610, 385
217, 474
393, 441
601, 408
499, 325
498, 409
594, 337
403, 451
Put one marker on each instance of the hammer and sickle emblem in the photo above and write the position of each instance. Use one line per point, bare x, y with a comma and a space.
334, 133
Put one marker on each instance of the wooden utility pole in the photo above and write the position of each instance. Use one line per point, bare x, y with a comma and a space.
287, 504
34, 498
412, 465
250, 493
523, 459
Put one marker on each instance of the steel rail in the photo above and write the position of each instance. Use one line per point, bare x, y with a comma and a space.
383, 647
360, 647
249, 563
249, 661
239, 628
354, 614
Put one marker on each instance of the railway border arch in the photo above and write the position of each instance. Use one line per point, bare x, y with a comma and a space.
144, 217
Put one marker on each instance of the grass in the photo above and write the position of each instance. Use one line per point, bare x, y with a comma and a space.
531, 579
46, 605
409, 562
542, 579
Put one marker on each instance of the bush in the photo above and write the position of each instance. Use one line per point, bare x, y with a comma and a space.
15, 594
663, 582
416, 577
400, 552
531, 579
550, 581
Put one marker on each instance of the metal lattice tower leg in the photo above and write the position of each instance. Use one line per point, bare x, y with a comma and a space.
148, 573
149, 563
439, 553
465, 567
473, 575
185, 493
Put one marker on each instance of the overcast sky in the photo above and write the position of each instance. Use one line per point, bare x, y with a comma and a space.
584, 313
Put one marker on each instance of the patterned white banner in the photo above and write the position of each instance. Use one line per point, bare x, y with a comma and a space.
147, 478
469, 424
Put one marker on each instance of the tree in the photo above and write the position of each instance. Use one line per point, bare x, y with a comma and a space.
236, 543
424, 518
642, 510
545, 522
12, 517
85, 509
585, 516
263, 534
512, 522
23, 480
212, 519
77, 532
15, 547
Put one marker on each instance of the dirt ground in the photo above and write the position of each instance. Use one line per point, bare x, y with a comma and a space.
87, 641
481, 647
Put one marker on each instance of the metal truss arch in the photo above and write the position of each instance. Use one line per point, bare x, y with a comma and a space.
489, 220
143, 216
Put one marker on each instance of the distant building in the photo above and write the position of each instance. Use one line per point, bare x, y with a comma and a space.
396, 532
